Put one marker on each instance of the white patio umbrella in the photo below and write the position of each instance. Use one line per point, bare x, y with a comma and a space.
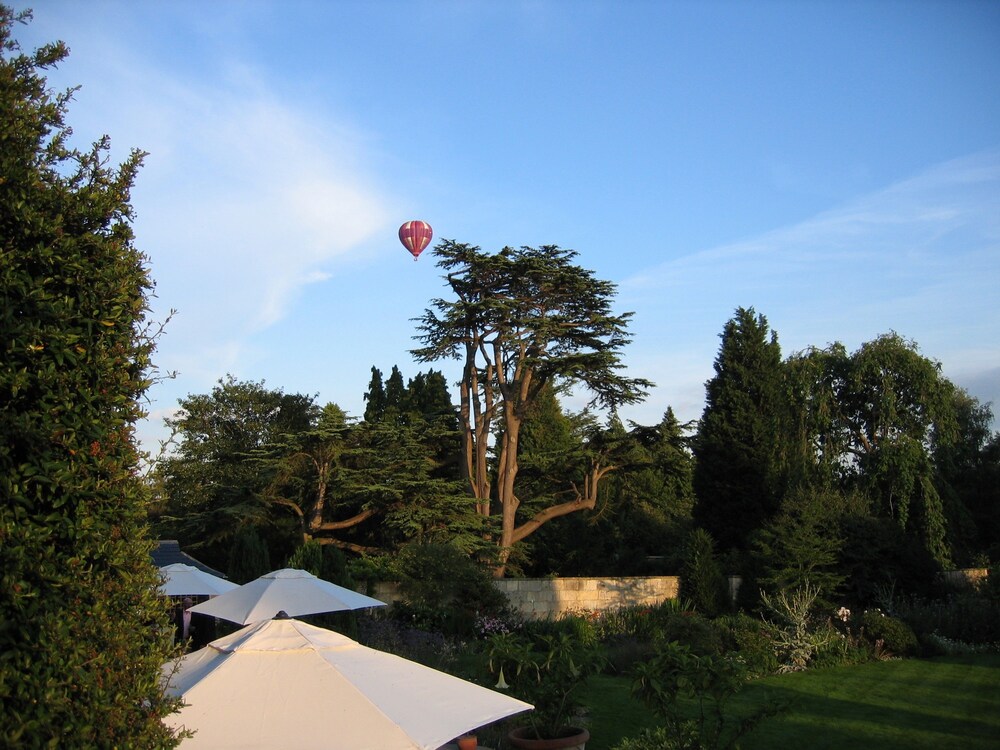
285, 684
295, 592
186, 580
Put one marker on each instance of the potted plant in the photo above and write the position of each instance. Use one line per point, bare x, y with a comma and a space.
548, 672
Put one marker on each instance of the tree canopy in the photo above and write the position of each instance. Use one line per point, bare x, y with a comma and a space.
807, 463
885, 410
249, 457
214, 482
521, 320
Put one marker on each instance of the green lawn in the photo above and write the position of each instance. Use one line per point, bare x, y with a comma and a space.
950, 702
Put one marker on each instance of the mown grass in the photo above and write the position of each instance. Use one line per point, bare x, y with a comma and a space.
947, 702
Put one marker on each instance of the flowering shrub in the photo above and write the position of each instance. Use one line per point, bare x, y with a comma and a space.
842, 648
547, 670
489, 625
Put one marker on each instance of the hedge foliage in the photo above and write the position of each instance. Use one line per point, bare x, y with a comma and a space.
83, 632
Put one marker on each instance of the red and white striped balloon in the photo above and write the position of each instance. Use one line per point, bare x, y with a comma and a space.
415, 236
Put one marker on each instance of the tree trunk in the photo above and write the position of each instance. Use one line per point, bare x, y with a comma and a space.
506, 474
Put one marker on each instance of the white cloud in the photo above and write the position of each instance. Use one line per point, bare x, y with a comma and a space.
245, 199
262, 204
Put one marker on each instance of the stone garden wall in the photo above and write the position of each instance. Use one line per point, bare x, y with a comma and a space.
541, 598
965, 577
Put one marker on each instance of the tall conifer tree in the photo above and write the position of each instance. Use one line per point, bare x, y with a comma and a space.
395, 396
739, 451
375, 397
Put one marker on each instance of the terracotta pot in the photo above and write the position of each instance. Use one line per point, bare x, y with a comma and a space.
468, 742
575, 739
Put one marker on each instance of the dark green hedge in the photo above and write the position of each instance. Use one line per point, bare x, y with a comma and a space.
83, 632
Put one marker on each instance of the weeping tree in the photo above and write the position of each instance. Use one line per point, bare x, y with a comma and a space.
886, 409
519, 320
968, 471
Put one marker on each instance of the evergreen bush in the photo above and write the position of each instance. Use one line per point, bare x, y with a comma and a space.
749, 639
249, 558
83, 630
702, 581
693, 631
328, 563
444, 589
883, 631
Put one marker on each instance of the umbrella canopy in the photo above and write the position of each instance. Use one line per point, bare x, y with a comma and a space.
296, 592
181, 579
284, 683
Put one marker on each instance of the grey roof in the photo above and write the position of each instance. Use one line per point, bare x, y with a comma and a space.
168, 552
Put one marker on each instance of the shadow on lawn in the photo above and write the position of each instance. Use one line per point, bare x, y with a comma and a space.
894, 708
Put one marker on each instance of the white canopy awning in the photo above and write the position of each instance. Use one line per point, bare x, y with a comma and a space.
181, 579
286, 684
292, 591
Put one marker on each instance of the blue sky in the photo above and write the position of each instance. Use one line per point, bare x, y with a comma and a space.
835, 165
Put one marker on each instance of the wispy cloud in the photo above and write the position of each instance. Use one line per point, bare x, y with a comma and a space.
245, 199
911, 217
921, 257
264, 200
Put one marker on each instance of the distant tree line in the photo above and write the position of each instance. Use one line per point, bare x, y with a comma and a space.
845, 470
852, 471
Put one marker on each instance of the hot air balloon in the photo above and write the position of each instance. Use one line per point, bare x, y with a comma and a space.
415, 236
